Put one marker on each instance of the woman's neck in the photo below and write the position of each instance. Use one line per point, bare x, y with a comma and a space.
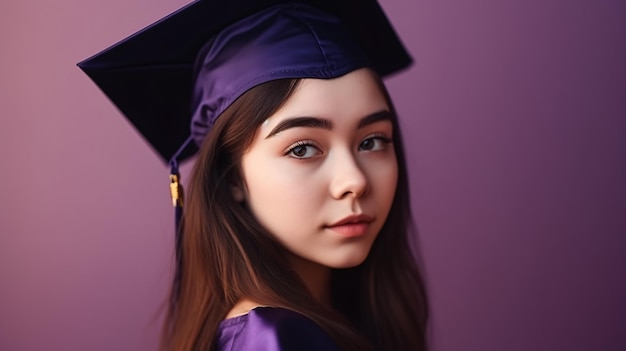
316, 278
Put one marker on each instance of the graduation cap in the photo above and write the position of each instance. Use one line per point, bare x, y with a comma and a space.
149, 76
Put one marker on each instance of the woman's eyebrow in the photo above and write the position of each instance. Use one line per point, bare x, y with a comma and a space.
382, 115
314, 122
310, 122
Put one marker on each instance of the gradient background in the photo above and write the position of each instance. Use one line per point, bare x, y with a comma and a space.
515, 120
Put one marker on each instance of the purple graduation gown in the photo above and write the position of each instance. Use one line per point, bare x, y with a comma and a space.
272, 329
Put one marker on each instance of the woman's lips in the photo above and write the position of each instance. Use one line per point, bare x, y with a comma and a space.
350, 229
352, 226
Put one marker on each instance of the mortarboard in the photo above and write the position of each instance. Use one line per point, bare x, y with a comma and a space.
149, 76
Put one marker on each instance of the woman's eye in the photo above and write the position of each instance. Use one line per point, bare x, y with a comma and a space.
374, 143
302, 150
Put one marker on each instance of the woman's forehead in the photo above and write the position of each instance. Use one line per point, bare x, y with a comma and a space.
352, 96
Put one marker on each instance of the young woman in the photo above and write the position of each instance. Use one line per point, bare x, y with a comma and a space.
295, 233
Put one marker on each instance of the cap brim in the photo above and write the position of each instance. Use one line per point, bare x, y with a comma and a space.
149, 75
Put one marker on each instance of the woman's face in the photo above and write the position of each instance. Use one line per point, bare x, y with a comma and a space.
321, 173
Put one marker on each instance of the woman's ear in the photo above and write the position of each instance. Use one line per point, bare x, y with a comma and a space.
238, 191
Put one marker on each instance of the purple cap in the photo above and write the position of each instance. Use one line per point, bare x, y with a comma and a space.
150, 75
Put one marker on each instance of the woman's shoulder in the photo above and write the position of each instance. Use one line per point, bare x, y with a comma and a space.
272, 329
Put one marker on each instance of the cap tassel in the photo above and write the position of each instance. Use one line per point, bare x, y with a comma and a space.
177, 193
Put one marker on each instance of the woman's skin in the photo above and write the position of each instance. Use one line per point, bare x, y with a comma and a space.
320, 175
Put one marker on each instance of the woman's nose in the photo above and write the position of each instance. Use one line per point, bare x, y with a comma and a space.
348, 178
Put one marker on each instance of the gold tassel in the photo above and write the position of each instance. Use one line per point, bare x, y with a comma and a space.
176, 190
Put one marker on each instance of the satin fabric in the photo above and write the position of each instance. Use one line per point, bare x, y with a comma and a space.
272, 329
283, 41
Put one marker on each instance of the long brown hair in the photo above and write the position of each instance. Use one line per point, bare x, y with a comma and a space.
228, 255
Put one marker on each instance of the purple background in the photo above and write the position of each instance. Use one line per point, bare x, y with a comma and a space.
515, 116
